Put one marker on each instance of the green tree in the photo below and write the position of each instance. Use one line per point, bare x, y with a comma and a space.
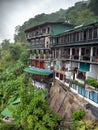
85, 125
15, 51
5, 44
24, 56
33, 111
78, 115
93, 5
79, 16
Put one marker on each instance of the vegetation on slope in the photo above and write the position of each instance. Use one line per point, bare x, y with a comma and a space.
14, 84
32, 112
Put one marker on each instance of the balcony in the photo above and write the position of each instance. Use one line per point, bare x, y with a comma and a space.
95, 59
33, 56
75, 57
41, 57
29, 37
71, 43
85, 58
34, 46
65, 57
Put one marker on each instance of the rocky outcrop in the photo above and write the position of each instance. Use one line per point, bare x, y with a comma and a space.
64, 102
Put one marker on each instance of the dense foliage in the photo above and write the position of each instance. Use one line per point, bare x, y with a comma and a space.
92, 82
33, 111
78, 115
93, 5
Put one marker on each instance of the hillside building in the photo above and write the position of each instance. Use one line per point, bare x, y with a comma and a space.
67, 53
41, 56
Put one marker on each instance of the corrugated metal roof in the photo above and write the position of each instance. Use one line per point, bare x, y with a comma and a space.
46, 23
38, 71
77, 28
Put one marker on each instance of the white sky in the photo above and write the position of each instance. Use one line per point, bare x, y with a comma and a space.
16, 12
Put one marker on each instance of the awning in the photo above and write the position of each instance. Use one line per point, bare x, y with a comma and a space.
84, 67
6, 112
38, 71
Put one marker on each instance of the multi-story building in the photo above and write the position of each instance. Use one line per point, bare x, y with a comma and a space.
41, 56
71, 52
76, 60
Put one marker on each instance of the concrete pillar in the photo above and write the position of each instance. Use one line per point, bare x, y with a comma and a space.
59, 53
70, 53
79, 53
55, 54
91, 54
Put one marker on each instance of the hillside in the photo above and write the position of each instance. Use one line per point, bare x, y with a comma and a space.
65, 103
81, 12
59, 97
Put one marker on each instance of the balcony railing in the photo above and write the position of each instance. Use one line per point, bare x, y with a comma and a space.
95, 59
65, 57
41, 57
85, 58
75, 57
37, 36
34, 46
86, 42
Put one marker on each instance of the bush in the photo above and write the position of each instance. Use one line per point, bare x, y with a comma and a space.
7, 126
92, 82
78, 115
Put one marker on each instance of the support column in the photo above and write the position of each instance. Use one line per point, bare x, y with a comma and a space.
70, 53
55, 54
59, 53
91, 54
79, 53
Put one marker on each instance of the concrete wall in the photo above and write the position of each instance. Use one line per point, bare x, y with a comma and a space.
93, 72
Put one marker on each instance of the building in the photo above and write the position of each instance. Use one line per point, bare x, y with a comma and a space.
41, 57
71, 52
76, 60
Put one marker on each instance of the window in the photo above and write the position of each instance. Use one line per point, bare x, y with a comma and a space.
71, 37
93, 96
77, 36
95, 52
95, 33
85, 35
81, 75
48, 30
43, 30
81, 36
62, 40
66, 38
90, 34
42, 40
57, 74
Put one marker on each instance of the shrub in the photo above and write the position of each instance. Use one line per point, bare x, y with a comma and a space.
78, 115
92, 82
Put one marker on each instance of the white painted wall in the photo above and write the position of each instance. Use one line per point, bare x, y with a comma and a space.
39, 85
74, 64
69, 66
93, 72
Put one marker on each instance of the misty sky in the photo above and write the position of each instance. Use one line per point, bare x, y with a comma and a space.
16, 12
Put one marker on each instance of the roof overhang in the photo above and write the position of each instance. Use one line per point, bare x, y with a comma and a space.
38, 71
